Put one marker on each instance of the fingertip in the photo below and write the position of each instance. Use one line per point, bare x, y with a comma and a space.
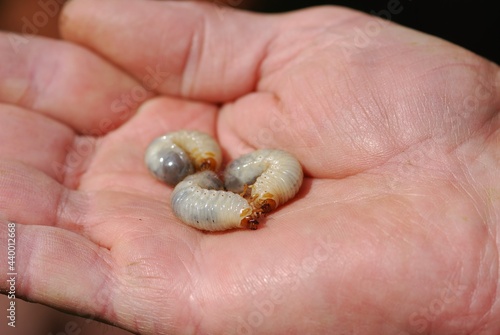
67, 22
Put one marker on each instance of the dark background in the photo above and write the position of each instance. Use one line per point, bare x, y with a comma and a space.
474, 25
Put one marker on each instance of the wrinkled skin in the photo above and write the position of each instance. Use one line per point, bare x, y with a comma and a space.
394, 231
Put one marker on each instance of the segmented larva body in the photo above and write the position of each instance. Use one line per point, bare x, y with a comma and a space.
255, 183
275, 177
173, 156
200, 202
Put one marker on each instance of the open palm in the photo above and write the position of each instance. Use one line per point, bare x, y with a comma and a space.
394, 230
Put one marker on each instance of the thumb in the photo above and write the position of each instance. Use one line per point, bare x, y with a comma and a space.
189, 49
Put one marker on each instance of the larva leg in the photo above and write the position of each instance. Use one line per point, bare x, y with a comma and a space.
246, 191
208, 164
250, 223
267, 205
172, 157
275, 177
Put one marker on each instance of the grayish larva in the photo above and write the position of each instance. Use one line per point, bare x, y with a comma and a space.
173, 156
200, 202
274, 177
255, 184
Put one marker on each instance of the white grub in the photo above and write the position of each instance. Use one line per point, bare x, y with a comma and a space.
200, 202
172, 157
274, 177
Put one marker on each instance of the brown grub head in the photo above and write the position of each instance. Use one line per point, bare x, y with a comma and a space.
208, 164
267, 205
249, 222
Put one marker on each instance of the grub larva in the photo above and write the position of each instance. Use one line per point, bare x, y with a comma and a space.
200, 202
173, 156
255, 184
274, 177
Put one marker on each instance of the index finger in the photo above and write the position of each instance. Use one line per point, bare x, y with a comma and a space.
205, 52
67, 83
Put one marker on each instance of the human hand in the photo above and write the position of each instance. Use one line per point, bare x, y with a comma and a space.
393, 232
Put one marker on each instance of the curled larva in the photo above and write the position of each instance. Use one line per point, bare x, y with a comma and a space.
173, 156
273, 177
200, 202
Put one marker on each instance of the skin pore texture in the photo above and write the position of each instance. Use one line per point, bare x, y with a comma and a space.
394, 230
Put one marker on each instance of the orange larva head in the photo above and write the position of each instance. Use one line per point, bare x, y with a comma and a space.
208, 164
267, 205
249, 222
249, 219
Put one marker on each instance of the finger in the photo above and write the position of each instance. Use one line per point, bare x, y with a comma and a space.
341, 129
67, 83
58, 268
31, 197
196, 50
145, 276
34, 139
28, 195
